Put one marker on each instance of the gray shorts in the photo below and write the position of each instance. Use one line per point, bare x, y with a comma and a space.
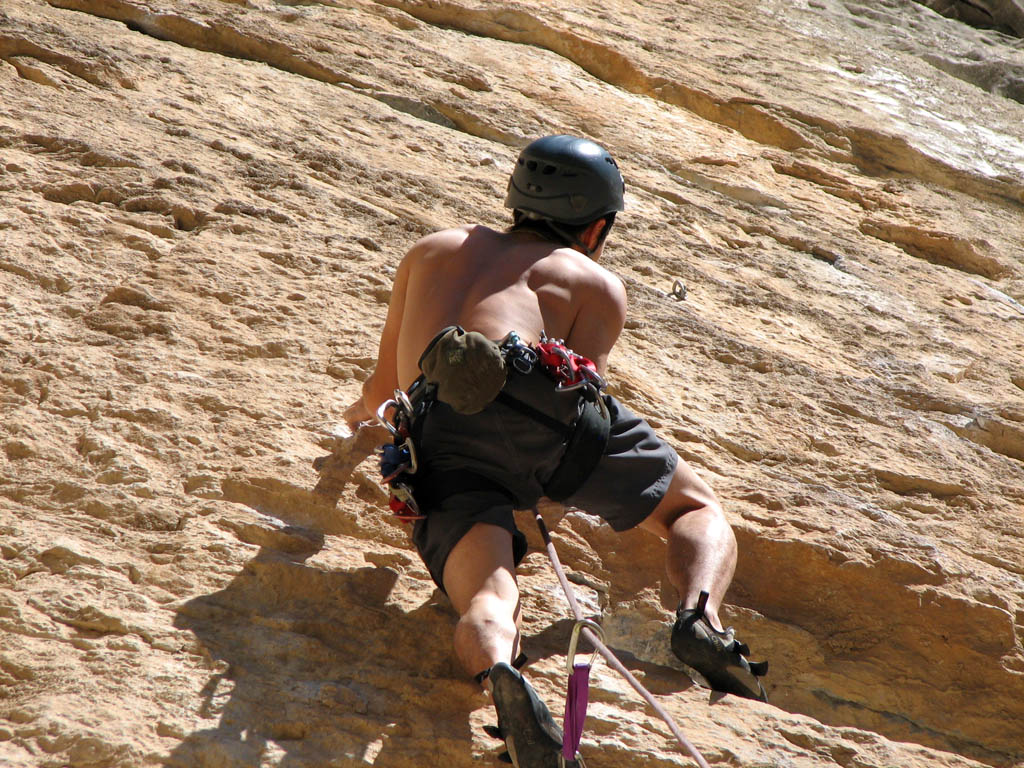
520, 454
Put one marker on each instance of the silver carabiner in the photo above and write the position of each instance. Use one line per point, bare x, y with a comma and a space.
575, 638
587, 376
404, 402
595, 378
411, 447
566, 367
678, 290
383, 419
566, 355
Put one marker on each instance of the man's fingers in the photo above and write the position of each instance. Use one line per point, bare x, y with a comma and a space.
356, 414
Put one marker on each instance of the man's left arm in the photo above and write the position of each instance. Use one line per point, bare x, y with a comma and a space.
384, 379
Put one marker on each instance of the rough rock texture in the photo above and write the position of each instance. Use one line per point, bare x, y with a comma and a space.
201, 207
1004, 15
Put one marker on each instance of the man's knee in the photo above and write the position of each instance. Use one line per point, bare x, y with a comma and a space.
490, 617
686, 493
492, 608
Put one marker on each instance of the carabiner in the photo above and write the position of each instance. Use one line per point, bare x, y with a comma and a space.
575, 638
678, 290
595, 378
410, 446
383, 420
404, 403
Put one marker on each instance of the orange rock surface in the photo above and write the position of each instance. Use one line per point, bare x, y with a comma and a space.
201, 208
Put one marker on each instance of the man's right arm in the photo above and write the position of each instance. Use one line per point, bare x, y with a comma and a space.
600, 319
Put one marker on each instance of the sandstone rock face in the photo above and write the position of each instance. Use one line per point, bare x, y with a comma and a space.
201, 208
1004, 15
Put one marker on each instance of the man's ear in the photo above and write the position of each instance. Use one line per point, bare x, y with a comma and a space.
591, 236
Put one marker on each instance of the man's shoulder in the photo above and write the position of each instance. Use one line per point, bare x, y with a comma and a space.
444, 237
598, 276
451, 239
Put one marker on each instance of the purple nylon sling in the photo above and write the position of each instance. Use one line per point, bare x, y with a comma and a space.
576, 699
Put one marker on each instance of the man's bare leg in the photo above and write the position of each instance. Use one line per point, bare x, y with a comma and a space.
479, 577
701, 551
701, 557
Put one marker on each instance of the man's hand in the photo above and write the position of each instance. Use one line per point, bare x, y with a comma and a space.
348, 452
357, 413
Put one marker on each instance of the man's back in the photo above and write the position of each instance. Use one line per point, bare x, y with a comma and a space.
496, 282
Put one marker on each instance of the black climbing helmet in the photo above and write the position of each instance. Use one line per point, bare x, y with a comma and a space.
567, 180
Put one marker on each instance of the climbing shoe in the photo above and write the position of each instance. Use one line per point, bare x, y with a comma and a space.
531, 735
718, 656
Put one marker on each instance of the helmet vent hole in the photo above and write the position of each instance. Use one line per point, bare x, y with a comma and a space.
532, 165
548, 170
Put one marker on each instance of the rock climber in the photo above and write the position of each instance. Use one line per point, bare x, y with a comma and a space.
494, 429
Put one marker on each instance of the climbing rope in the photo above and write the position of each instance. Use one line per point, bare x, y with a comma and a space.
583, 628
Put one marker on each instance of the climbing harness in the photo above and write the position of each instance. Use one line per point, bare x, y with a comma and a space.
588, 436
610, 657
585, 438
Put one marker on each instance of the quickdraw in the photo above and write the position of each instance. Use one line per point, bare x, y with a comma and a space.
398, 460
575, 719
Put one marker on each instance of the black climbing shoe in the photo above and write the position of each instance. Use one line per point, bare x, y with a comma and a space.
531, 735
718, 656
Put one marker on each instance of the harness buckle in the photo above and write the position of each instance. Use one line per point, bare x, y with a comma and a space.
517, 354
523, 359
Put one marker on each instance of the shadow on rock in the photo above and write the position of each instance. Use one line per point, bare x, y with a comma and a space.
317, 669
554, 640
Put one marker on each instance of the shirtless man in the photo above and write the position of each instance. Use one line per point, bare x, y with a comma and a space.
543, 276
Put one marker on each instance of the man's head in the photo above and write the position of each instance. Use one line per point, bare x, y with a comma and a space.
567, 183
